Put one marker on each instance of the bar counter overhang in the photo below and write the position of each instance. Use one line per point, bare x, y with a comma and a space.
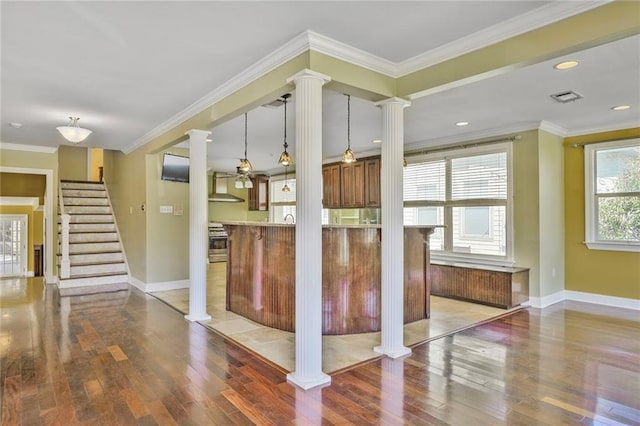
261, 275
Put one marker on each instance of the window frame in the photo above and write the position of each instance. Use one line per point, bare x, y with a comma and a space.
590, 198
447, 155
274, 180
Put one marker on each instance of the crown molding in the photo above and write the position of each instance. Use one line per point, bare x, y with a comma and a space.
537, 18
605, 128
334, 48
278, 57
552, 128
28, 148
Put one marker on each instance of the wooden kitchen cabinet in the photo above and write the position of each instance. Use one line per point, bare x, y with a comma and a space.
259, 194
331, 186
353, 183
372, 182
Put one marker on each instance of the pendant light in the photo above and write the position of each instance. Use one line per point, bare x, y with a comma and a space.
285, 159
245, 164
73, 132
349, 156
285, 188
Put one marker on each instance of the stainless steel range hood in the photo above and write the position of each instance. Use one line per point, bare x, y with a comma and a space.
220, 194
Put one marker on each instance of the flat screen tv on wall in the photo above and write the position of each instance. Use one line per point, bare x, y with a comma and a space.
175, 168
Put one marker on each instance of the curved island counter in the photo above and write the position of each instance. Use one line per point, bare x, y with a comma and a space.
261, 275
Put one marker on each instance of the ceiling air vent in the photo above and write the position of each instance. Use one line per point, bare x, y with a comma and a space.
567, 96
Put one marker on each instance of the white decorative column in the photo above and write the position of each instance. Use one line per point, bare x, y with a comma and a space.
308, 372
392, 267
198, 231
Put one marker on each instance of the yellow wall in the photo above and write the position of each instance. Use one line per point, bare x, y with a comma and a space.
609, 273
72, 162
23, 185
26, 210
97, 157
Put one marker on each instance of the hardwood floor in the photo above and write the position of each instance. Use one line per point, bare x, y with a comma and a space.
127, 358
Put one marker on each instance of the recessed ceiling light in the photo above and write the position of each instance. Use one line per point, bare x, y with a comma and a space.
566, 65
209, 140
621, 107
376, 141
462, 123
15, 125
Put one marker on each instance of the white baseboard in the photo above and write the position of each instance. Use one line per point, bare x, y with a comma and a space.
548, 300
601, 299
159, 286
30, 274
579, 296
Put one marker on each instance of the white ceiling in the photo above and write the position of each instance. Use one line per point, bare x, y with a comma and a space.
125, 68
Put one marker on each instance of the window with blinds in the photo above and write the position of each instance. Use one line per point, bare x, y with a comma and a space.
282, 204
467, 191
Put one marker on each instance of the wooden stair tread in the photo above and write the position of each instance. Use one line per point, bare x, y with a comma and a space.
82, 181
99, 274
105, 262
93, 252
88, 231
93, 242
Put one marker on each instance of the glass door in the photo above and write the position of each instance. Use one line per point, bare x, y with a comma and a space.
13, 245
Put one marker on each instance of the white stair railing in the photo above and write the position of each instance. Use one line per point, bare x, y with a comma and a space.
65, 263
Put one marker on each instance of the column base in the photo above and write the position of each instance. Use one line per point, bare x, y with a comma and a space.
393, 352
193, 318
308, 383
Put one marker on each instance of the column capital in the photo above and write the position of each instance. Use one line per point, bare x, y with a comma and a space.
197, 133
405, 103
307, 73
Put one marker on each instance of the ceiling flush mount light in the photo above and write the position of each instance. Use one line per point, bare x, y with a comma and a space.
73, 132
16, 125
285, 159
621, 107
348, 156
245, 164
566, 65
462, 123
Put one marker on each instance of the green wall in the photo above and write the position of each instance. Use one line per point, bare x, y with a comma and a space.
610, 273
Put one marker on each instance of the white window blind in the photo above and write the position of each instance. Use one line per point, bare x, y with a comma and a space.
479, 177
425, 181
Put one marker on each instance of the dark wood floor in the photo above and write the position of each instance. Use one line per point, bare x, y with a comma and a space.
126, 358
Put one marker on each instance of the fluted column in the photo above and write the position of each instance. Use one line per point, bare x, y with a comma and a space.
392, 267
308, 372
198, 232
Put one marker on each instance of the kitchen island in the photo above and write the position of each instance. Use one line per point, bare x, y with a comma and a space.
261, 275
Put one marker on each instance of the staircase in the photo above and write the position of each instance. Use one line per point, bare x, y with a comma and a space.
96, 261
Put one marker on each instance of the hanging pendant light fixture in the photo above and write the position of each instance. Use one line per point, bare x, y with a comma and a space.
245, 164
349, 156
73, 132
285, 188
285, 159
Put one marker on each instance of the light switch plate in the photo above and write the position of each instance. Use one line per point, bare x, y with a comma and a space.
166, 209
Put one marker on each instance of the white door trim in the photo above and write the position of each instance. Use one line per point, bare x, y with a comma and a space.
48, 215
24, 240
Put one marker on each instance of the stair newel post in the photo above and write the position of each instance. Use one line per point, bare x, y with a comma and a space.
65, 264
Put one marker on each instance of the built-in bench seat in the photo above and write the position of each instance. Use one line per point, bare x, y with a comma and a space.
500, 286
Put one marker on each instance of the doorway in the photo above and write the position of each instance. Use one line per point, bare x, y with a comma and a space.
13, 245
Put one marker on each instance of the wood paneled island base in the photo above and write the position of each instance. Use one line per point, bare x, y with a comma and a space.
261, 275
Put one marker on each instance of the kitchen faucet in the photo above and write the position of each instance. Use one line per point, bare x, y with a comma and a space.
293, 219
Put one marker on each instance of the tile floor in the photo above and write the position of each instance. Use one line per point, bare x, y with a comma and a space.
339, 352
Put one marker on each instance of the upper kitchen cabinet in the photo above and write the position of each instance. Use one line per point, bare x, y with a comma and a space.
372, 182
354, 185
331, 186
259, 194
